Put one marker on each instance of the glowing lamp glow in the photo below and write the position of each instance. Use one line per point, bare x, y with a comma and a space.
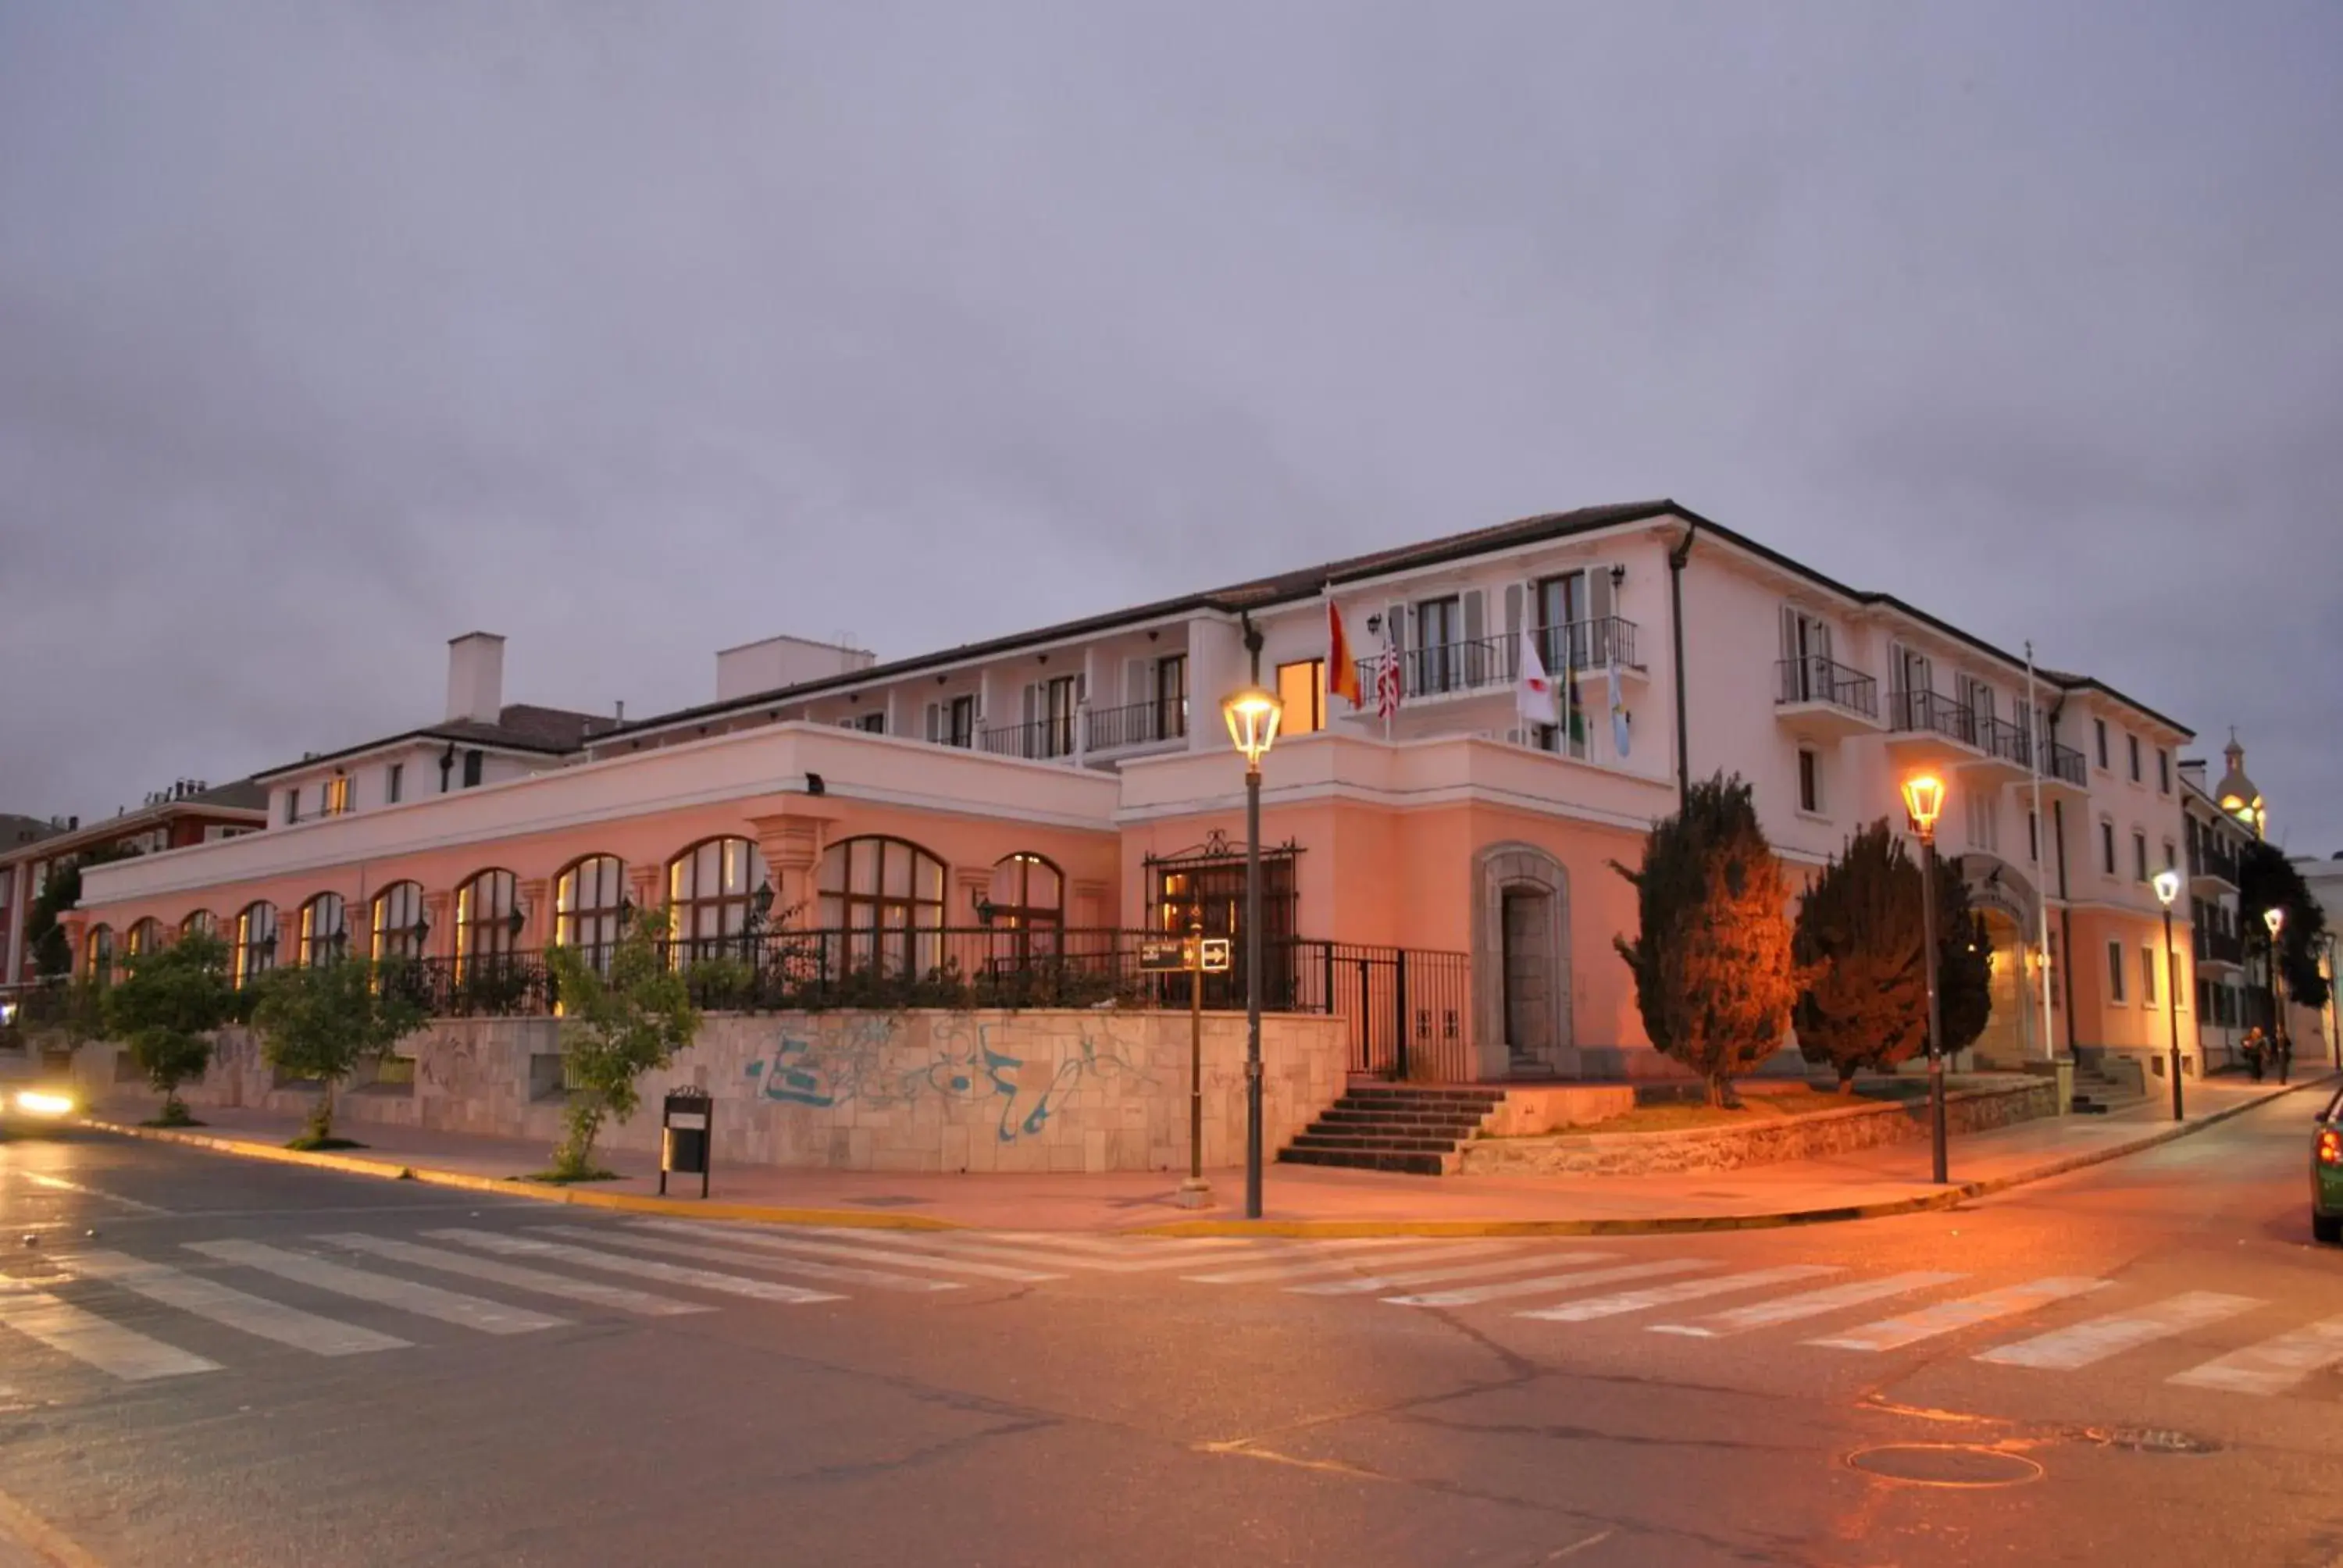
1252, 715
2168, 887
1924, 802
2273, 918
40, 1103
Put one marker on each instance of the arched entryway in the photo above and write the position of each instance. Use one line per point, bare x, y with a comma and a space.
1521, 963
2003, 896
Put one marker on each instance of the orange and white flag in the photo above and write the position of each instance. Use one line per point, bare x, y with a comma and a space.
1342, 670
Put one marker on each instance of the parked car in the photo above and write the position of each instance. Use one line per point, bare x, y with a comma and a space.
36, 1090
2327, 1173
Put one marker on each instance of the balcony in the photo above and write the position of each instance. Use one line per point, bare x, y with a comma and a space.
2219, 952
1043, 740
1824, 701
1585, 648
2063, 768
1136, 725
2211, 872
1928, 729
2006, 753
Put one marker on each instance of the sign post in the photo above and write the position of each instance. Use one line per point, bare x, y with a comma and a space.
1199, 956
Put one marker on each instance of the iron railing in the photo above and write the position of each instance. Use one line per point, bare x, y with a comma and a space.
2067, 763
2219, 947
1999, 739
1039, 740
2208, 859
1441, 668
1813, 678
1931, 712
1136, 724
1408, 1010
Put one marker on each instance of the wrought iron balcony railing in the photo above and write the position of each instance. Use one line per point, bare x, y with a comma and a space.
1817, 679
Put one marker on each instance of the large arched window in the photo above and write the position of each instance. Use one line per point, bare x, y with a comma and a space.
401, 931
324, 935
713, 894
1028, 900
590, 903
487, 918
888, 896
98, 955
145, 937
199, 923
255, 951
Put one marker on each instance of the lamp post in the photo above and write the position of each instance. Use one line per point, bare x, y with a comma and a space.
1253, 714
2167, 888
1924, 802
2274, 919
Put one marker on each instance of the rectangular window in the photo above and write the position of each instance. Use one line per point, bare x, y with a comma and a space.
1302, 689
1061, 700
2131, 745
1439, 627
393, 783
873, 723
2099, 739
2171, 858
2108, 849
2147, 976
473, 761
1810, 780
2162, 772
1171, 695
293, 805
2115, 972
338, 795
960, 722
2139, 857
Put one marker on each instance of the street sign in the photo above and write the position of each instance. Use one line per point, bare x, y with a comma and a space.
1168, 956
1216, 955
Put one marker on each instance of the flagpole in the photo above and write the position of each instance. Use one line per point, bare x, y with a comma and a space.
2034, 744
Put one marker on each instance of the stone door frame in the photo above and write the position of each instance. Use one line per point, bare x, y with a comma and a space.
1497, 868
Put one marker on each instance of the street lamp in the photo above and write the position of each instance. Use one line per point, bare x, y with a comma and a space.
2274, 919
1924, 802
1253, 714
2167, 888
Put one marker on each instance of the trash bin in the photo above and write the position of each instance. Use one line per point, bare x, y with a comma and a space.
686, 1126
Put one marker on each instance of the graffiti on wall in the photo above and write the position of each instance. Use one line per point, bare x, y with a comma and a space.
826, 1063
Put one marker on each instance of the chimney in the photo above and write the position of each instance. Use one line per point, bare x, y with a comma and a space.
476, 677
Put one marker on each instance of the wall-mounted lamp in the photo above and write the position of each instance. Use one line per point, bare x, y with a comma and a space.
814, 786
1618, 576
984, 909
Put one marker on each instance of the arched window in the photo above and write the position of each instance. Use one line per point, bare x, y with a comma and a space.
487, 918
713, 892
401, 931
888, 896
200, 923
589, 906
145, 937
255, 950
323, 935
1027, 898
98, 955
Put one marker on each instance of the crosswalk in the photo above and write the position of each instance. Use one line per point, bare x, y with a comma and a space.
113, 1311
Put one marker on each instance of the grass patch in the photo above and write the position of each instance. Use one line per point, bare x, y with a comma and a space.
308, 1145
565, 1178
173, 1121
1756, 1108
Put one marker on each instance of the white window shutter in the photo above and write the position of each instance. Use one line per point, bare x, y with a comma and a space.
1395, 625
1134, 682
1598, 593
1515, 597
1032, 703
1476, 616
1789, 632
935, 721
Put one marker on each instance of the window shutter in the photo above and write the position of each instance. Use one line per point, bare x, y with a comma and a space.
1032, 703
1598, 593
935, 721
1395, 625
1134, 682
1513, 592
1789, 632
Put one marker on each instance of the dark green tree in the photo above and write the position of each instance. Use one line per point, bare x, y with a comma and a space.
1859, 942
615, 1027
1964, 960
2267, 879
165, 1008
321, 1021
45, 937
1714, 978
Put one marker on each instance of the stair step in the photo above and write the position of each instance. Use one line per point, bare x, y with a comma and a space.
1350, 1140
1359, 1160
1410, 1091
1464, 1119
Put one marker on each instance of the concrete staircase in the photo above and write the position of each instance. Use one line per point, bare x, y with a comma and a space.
1394, 1127
2105, 1081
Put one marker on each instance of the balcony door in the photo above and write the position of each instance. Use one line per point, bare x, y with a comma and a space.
1806, 649
1439, 627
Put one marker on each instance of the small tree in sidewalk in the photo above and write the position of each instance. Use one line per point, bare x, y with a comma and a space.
1714, 978
163, 1012
321, 1021
1860, 943
616, 1027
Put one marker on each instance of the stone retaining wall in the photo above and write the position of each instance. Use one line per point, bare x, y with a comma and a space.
1091, 1090
1808, 1137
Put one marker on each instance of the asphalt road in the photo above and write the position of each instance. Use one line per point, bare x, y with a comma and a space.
259, 1364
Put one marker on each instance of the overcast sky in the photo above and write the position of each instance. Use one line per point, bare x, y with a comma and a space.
633, 332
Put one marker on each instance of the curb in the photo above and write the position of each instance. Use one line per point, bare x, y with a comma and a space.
38, 1536
536, 1191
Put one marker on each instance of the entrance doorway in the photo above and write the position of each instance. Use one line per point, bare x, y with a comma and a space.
2007, 1039
1520, 964
1527, 918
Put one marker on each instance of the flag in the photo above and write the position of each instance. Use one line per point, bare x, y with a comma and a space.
1618, 713
1533, 691
1342, 670
1387, 685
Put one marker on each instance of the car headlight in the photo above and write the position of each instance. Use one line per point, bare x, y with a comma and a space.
42, 1102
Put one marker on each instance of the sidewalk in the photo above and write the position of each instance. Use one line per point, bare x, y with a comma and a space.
1298, 1200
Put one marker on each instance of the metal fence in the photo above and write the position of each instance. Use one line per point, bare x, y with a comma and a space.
1409, 1009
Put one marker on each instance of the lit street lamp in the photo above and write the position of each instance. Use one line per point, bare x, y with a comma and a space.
1253, 714
2167, 888
1924, 802
2274, 919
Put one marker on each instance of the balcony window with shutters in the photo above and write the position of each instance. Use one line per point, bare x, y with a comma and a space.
1808, 667
293, 805
1302, 689
1439, 627
1171, 695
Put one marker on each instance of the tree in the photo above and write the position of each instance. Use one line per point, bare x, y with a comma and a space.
165, 1008
2267, 879
1860, 943
615, 1027
1964, 960
44, 936
1714, 978
320, 1020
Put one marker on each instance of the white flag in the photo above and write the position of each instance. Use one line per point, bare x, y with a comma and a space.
1618, 713
1534, 692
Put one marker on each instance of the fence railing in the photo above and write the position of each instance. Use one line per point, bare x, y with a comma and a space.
1409, 1010
1998, 738
1816, 679
1136, 724
2219, 947
1439, 668
2067, 763
1931, 712
2204, 860
1040, 740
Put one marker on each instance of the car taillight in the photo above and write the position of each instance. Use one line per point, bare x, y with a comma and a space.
2330, 1147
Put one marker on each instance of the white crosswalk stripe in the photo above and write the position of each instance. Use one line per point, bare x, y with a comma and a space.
1548, 1284
1806, 1304
1101, 1254
776, 1261
119, 1352
2273, 1366
384, 1290
1320, 1264
2083, 1343
1520, 1263
1668, 1295
624, 1297
974, 1268
645, 1268
1948, 1317
207, 1298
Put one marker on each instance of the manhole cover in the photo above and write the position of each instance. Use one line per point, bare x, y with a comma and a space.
1944, 1464
2155, 1440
